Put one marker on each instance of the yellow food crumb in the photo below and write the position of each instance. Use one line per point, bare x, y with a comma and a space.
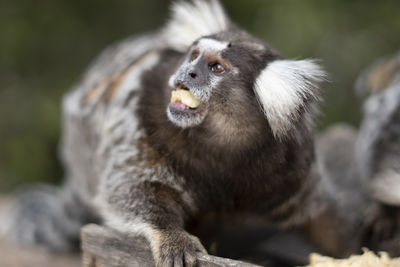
367, 259
185, 97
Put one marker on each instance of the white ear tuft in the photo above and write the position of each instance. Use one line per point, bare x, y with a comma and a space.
285, 87
191, 21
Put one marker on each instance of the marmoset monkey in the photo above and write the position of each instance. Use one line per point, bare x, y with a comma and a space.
378, 152
378, 147
197, 117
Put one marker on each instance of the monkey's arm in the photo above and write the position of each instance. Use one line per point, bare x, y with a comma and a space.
148, 201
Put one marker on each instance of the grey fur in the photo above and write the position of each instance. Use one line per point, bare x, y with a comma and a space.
378, 143
337, 163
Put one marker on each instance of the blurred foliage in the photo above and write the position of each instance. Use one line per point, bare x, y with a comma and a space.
46, 45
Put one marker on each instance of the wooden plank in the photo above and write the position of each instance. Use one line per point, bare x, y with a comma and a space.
13, 256
104, 247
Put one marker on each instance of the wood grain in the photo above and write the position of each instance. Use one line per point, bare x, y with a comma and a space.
103, 247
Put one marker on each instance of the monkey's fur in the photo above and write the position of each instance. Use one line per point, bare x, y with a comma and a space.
145, 166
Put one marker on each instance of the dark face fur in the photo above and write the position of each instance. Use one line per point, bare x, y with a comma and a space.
219, 73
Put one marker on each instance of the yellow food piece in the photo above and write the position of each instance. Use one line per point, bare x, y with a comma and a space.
368, 259
185, 97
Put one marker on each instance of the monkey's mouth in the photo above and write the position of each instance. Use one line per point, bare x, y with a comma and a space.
183, 100
185, 110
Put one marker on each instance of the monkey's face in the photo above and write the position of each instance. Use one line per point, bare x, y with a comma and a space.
202, 70
209, 73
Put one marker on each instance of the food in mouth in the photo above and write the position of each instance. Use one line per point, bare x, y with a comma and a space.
183, 99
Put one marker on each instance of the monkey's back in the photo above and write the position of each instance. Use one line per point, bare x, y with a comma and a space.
99, 114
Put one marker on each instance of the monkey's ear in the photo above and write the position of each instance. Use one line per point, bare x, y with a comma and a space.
286, 90
192, 20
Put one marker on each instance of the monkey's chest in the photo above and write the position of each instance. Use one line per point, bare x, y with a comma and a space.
246, 190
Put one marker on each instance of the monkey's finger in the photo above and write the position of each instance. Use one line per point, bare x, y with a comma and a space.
190, 259
199, 246
202, 249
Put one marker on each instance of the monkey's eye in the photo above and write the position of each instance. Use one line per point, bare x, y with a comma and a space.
217, 68
195, 54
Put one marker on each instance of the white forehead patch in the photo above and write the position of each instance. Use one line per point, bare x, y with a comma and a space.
213, 45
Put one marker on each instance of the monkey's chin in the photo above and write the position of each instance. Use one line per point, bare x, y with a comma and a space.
186, 117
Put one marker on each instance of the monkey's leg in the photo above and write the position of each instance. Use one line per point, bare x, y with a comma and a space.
143, 204
337, 230
325, 223
318, 214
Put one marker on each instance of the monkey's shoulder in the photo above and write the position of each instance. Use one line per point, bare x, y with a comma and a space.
111, 88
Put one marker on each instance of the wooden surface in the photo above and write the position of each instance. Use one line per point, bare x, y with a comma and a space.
11, 256
103, 247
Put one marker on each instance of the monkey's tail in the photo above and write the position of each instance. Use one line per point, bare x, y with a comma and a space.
45, 216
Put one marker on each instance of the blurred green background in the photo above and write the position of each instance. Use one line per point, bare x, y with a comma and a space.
45, 46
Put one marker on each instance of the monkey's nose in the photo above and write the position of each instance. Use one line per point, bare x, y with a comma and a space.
193, 75
180, 85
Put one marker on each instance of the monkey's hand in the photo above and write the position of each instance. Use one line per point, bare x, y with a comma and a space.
175, 248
